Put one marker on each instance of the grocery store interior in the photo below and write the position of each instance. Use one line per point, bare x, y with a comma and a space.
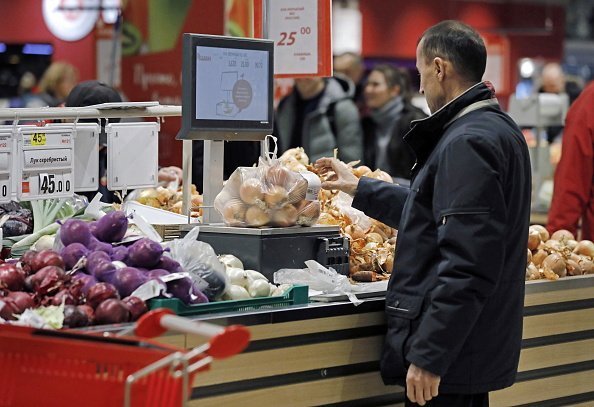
166, 236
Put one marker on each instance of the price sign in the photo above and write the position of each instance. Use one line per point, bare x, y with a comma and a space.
301, 30
6, 154
45, 159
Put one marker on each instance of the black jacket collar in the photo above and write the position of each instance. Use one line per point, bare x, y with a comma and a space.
425, 133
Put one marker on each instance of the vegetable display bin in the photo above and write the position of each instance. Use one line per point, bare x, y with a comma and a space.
269, 249
298, 294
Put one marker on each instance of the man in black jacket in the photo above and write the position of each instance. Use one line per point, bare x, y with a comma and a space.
455, 298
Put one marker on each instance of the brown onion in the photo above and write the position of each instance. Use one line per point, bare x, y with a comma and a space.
251, 191
234, 212
298, 191
571, 244
544, 233
532, 272
556, 263
354, 231
278, 175
256, 217
361, 171
562, 235
533, 239
275, 196
309, 215
585, 247
573, 268
285, 216
529, 257
553, 244
587, 266
539, 256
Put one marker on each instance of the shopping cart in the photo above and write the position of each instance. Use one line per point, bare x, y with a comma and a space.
64, 368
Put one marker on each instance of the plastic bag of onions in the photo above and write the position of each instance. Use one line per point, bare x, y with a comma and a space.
268, 195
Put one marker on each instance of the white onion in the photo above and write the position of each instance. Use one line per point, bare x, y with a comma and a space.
230, 261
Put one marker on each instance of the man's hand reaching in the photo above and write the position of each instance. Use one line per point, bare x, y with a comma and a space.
340, 175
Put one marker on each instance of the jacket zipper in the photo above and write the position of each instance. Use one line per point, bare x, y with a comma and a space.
471, 212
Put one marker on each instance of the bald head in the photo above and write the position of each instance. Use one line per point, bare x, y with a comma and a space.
553, 78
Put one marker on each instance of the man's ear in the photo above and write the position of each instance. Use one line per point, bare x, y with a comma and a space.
439, 67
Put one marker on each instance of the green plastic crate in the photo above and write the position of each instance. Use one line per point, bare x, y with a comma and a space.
298, 294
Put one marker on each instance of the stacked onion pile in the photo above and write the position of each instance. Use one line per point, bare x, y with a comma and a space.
268, 195
557, 255
164, 198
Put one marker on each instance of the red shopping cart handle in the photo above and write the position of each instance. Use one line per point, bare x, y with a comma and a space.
224, 341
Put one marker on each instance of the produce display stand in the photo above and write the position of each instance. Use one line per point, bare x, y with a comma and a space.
328, 353
51, 368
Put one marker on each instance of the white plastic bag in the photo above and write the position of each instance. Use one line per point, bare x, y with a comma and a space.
200, 260
319, 278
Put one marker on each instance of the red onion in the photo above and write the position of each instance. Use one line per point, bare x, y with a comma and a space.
22, 300
48, 279
112, 311
75, 317
88, 311
11, 278
101, 292
136, 306
8, 308
46, 258
26, 260
64, 296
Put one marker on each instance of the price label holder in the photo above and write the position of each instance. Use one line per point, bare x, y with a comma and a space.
86, 157
302, 34
46, 165
6, 163
132, 155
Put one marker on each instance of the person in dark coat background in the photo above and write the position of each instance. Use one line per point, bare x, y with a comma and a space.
390, 115
456, 294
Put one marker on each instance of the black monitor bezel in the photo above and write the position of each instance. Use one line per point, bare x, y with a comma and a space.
228, 43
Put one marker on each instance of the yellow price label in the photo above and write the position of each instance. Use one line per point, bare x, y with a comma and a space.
38, 139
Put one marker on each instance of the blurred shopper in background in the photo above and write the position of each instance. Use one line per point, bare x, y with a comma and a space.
455, 300
387, 96
351, 65
319, 116
573, 194
56, 83
93, 93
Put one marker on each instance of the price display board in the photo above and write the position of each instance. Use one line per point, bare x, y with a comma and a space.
302, 34
6, 154
132, 155
45, 157
86, 157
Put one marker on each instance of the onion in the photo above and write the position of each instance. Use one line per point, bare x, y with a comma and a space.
63, 297
238, 277
22, 301
285, 216
539, 256
554, 245
251, 191
230, 261
234, 212
573, 268
101, 292
562, 235
277, 175
48, 279
298, 192
26, 260
529, 257
585, 247
136, 306
533, 239
310, 214
571, 244
11, 277
275, 196
259, 288
587, 266
532, 272
8, 308
88, 311
74, 317
112, 311
256, 217
46, 258
556, 264
235, 292
361, 171
355, 231
544, 233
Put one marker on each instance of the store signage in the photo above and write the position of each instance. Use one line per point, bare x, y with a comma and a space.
6, 153
45, 157
86, 157
70, 20
302, 33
